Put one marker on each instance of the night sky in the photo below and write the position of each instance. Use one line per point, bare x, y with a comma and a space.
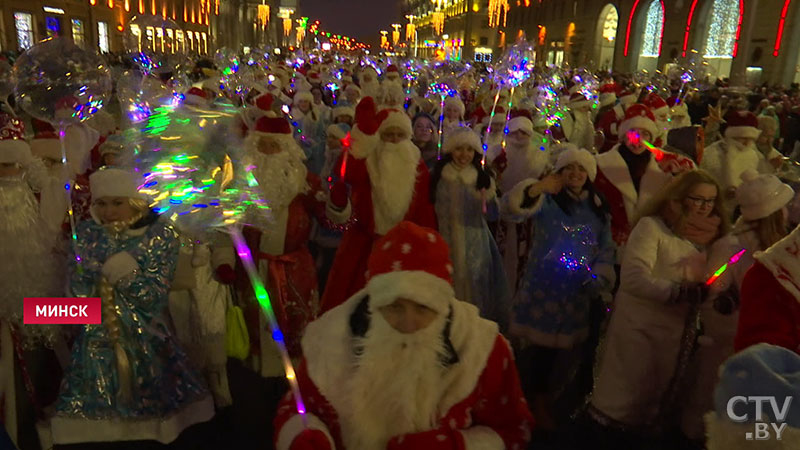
361, 19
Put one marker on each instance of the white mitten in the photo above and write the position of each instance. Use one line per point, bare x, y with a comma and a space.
118, 266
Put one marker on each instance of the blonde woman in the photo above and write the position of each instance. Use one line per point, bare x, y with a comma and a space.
128, 379
652, 328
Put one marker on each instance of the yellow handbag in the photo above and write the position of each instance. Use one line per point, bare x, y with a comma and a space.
237, 340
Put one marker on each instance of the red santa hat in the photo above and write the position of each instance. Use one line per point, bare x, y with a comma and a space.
211, 85
578, 100
462, 136
627, 97
741, 124
196, 97
411, 262
608, 94
456, 101
264, 102
391, 68
572, 154
277, 128
397, 119
638, 116
45, 142
314, 77
13, 147
656, 104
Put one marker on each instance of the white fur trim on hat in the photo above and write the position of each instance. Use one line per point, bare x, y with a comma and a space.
455, 101
742, 132
638, 122
574, 154
398, 119
304, 95
761, 195
417, 285
628, 99
462, 136
112, 182
343, 111
46, 148
607, 98
14, 151
520, 123
286, 142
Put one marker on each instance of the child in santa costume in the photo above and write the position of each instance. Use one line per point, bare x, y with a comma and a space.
459, 189
571, 262
389, 183
629, 175
454, 110
770, 297
763, 370
653, 327
403, 364
128, 379
30, 268
763, 200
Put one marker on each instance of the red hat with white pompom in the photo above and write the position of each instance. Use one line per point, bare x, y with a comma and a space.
608, 94
411, 262
638, 116
277, 128
741, 124
196, 97
656, 104
45, 142
13, 147
627, 97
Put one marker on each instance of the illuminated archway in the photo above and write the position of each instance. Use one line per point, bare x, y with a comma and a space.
606, 37
720, 43
651, 36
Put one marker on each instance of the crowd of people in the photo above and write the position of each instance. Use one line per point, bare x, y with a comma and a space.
455, 277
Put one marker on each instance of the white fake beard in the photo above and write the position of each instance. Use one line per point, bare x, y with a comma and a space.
396, 386
281, 177
371, 89
53, 197
26, 255
393, 176
737, 146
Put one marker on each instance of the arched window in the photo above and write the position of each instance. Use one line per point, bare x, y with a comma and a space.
653, 27
610, 24
608, 21
722, 29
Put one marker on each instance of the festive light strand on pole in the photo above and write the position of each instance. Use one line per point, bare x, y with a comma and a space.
441, 125
508, 117
733, 260
70, 212
489, 127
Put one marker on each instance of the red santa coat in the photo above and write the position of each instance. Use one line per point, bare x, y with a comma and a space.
483, 408
770, 297
282, 256
347, 275
608, 122
615, 183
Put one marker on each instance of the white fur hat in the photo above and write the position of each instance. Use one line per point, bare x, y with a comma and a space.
455, 101
46, 147
520, 123
114, 182
303, 95
343, 110
761, 195
462, 136
396, 118
573, 154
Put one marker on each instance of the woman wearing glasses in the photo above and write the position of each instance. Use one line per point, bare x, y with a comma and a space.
653, 328
762, 200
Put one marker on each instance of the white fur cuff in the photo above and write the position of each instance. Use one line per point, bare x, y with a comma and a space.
294, 426
118, 266
516, 196
482, 438
361, 144
338, 216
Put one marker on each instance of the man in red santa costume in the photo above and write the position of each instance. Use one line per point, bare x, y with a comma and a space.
405, 365
392, 74
280, 249
609, 120
770, 297
389, 183
629, 175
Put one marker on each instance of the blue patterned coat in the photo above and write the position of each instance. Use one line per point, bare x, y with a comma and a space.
166, 394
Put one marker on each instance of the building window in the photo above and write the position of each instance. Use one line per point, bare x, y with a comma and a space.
651, 42
78, 34
53, 26
102, 36
610, 24
181, 44
722, 30
24, 24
